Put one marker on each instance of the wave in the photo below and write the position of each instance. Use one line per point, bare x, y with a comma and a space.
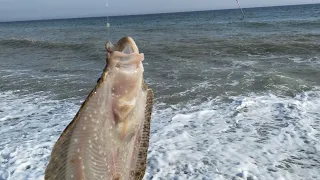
23, 43
258, 24
29, 126
304, 24
281, 48
251, 137
66, 71
282, 23
245, 45
256, 136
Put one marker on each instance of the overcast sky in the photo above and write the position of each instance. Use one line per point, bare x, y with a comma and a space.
11, 10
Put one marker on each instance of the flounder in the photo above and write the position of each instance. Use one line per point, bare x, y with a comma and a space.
108, 139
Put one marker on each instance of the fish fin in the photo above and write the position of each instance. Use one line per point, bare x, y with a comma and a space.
142, 150
57, 166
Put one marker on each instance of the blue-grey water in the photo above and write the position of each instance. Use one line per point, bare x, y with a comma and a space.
233, 99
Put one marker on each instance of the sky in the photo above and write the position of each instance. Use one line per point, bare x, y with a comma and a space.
15, 10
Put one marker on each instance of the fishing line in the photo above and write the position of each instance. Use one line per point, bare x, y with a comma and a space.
108, 23
240, 18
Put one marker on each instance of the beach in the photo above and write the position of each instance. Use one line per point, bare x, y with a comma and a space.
234, 99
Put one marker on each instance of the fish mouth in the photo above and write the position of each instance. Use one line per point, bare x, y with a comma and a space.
124, 55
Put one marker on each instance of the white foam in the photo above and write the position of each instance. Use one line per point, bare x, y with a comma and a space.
29, 127
296, 59
202, 85
299, 60
253, 137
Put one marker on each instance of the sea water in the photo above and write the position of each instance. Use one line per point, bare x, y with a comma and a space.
233, 99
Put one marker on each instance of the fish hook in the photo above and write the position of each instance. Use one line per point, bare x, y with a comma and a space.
240, 18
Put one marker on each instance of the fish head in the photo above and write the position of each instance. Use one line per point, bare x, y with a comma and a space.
124, 64
124, 55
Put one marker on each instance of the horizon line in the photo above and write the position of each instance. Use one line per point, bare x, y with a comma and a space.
144, 14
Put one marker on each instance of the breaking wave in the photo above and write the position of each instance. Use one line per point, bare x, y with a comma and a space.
252, 137
23, 43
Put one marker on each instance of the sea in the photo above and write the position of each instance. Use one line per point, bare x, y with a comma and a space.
234, 99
